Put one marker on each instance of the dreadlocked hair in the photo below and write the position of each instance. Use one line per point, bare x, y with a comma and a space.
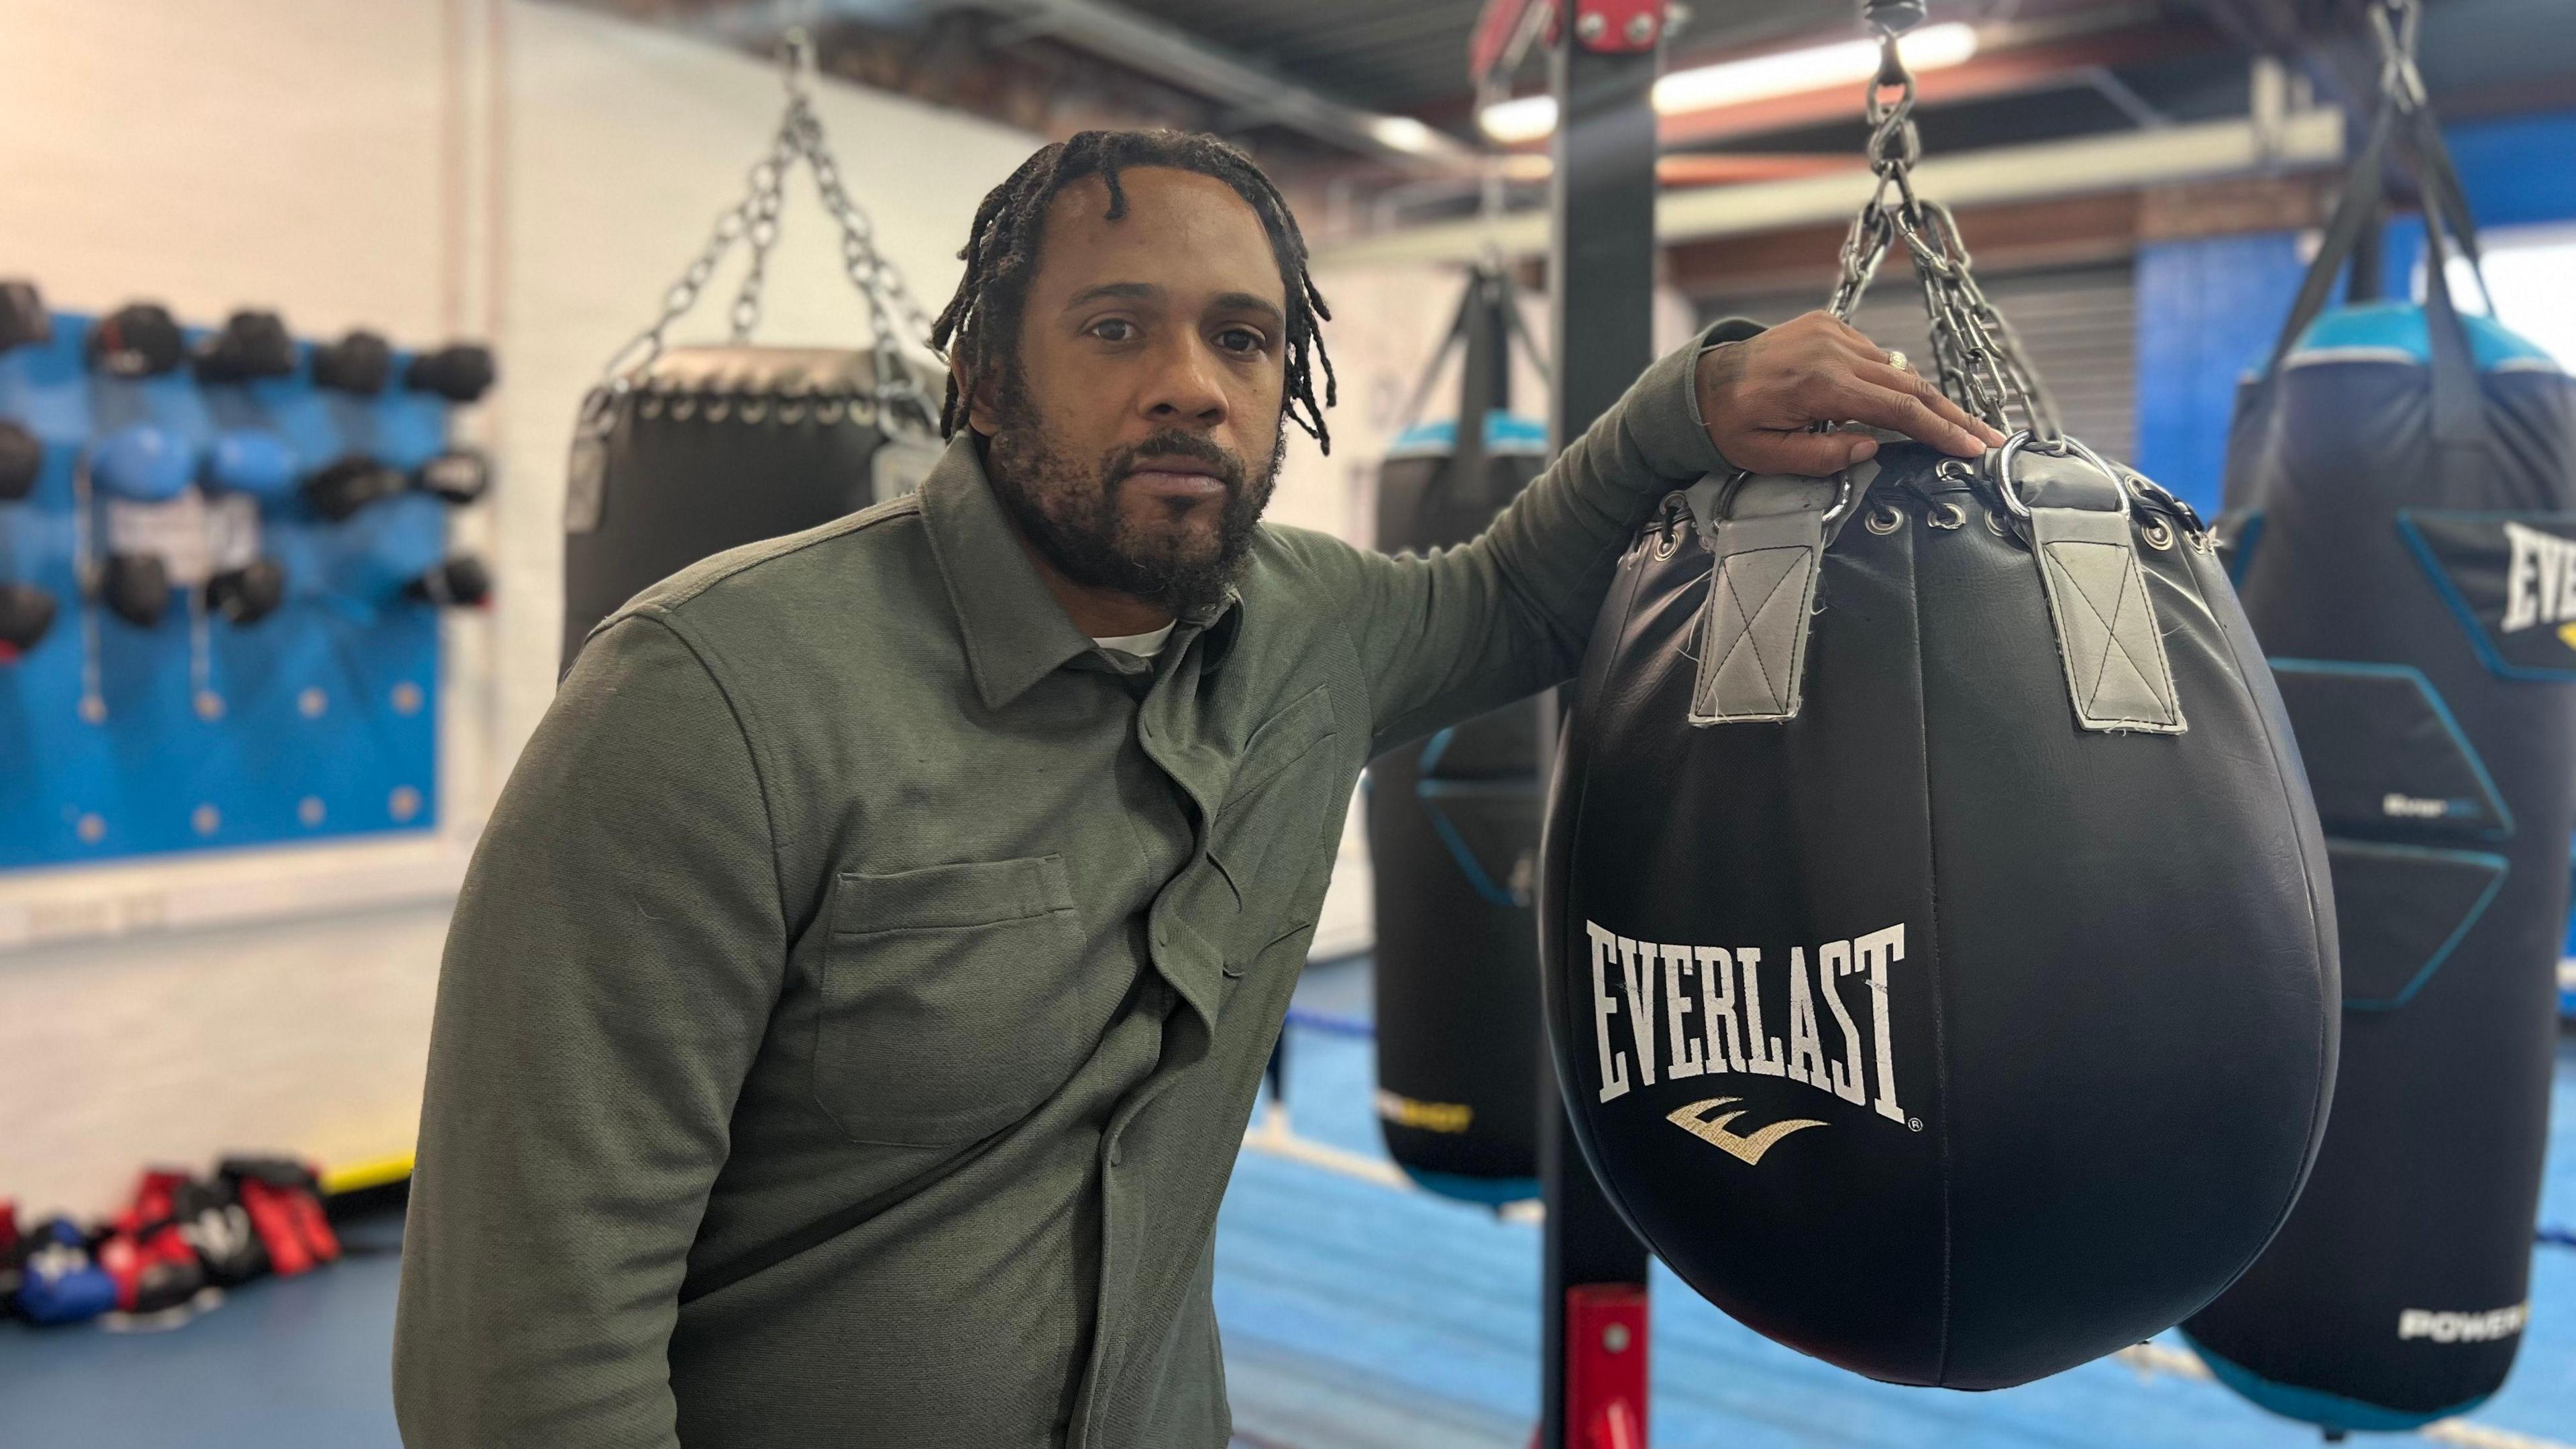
981, 324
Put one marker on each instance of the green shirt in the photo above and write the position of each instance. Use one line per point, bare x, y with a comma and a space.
857, 999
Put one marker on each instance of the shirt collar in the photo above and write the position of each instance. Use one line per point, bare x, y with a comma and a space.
1016, 633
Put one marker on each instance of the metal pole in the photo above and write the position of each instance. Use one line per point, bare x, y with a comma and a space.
1601, 291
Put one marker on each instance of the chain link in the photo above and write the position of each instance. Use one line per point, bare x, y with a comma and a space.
754, 221
1976, 358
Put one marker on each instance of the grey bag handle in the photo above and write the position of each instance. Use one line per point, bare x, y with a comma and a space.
2117, 676
1766, 537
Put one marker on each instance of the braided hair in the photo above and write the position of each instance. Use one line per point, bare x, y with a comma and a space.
981, 324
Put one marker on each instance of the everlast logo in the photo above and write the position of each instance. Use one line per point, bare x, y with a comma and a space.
2462, 1327
2417, 807
2540, 583
1709, 1001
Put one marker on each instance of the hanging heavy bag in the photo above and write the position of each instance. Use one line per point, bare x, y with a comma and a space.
2402, 503
1938, 952
1453, 820
685, 452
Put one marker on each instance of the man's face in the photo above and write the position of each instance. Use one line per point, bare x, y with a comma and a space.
1138, 438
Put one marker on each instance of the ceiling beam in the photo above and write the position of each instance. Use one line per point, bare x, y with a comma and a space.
2307, 141
1117, 34
2005, 71
2325, 36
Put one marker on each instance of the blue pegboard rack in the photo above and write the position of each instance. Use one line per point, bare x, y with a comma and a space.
319, 720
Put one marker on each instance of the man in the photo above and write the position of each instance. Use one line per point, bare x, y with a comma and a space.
858, 997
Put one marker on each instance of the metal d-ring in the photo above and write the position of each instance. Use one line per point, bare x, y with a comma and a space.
1842, 501
1724, 507
2011, 496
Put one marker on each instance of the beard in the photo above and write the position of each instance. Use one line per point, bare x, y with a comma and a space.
1068, 508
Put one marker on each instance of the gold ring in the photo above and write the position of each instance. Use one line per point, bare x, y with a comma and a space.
1896, 359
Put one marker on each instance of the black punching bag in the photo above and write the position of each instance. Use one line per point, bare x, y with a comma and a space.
684, 452
1453, 825
1938, 950
708, 448
2402, 503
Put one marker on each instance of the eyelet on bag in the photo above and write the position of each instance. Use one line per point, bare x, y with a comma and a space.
1668, 527
719, 408
828, 411
649, 406
1995, 525
683, 408
2157, 534
1884, 519
753, 410
1954, 470
1946, 514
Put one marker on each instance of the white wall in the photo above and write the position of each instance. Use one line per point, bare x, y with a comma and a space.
297, 154
336, 161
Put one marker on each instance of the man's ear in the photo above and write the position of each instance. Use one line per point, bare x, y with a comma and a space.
981, 413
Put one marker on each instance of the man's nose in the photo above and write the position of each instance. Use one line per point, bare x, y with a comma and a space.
1184, 390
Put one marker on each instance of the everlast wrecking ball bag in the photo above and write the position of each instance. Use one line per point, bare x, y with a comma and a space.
1453, 821
685, 452
2402, 500
1939, 956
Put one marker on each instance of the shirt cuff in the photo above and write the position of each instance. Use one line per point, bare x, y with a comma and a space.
1670, 429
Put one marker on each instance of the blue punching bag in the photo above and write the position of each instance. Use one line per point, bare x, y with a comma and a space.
1453, 824
2402, 509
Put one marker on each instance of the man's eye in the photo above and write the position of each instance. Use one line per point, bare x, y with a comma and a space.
1240, 340
1114, 329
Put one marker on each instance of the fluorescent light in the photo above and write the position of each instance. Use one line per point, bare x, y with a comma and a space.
1850, 62
1525, 119
1403, 133
1735, 82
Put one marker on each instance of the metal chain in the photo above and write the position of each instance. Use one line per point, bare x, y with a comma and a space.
754, 220
1976, 358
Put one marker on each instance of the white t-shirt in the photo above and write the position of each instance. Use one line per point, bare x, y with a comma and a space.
1143, 646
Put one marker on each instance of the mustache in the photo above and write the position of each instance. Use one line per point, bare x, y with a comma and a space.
1173, 443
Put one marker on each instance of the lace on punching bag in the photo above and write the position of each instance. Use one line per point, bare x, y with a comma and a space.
681, 452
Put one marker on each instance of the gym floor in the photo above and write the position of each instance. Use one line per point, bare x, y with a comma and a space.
1356, 1316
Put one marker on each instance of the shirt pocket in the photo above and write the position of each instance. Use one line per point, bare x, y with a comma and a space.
952, 1000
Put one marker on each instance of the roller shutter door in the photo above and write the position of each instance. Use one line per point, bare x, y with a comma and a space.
2080, 324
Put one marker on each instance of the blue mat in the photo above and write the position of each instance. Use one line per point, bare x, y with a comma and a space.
1427, 1311
1356, 1316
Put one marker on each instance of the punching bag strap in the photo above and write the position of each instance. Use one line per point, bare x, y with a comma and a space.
2404, 123
1484, 378
2459, 407
1766, 537
2117, 675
